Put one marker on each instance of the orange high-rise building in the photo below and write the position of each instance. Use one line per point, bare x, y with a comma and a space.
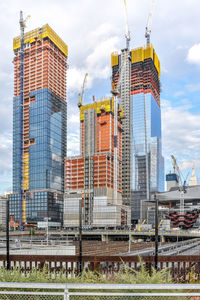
90, 176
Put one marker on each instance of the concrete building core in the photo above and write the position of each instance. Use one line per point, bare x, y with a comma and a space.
89, 178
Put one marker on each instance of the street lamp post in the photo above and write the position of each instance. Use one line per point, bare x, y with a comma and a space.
7, 235
129, 241
47, 219
156, 232
80, 236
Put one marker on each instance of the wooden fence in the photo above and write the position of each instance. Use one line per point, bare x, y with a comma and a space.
180, 266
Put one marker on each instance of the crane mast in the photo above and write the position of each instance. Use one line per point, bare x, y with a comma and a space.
149, 23
22, 24
181, 184
127, 34
81, 95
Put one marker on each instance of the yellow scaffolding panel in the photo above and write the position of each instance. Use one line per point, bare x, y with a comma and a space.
41, 33
148, 52
26, 171
104, 105
142, 53
114, 59
137, 55
157, 63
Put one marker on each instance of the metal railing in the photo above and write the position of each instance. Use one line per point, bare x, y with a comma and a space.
68, 291
180, 267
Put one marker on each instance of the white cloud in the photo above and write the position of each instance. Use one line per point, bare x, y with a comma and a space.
74, 119
96, 64
181, 134
179, 93
75, 79
193, 55
189, 164
193, 87
73, 144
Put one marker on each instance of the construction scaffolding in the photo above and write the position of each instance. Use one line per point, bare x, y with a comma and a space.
122, 72
145, 72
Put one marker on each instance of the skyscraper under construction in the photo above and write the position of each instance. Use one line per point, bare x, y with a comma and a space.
89, 177
39, 126
146, 163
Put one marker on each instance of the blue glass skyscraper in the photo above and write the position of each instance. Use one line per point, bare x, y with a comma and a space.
38, 165
147, 163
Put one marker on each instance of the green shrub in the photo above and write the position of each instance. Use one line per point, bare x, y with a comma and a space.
127, 275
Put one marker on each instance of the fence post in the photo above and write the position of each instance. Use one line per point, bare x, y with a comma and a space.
66, 294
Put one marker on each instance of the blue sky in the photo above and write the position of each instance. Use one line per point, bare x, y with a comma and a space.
93, 29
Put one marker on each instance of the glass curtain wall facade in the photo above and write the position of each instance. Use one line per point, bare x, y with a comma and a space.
47, 119
146, 113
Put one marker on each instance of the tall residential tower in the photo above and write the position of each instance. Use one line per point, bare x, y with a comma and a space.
90, 176
147, 163
39, 127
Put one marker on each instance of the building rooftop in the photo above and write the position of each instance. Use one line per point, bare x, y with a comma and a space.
102, 105
192, 193
39, 34
139, 54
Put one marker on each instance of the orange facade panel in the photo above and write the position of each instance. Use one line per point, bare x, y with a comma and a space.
42, 62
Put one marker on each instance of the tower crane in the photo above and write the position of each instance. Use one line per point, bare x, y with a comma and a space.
127, 34
115, 92
22, 22
181, 183
176, 169
22, 196
81, 95
149, 23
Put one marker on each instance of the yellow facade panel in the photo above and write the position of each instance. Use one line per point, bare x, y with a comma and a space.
39, 33
26, 171
148, 52
114, 59
137, 55
104, 105
24, 211
142, 53
157, 63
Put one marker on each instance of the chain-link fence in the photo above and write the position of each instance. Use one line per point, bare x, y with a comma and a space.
45, 291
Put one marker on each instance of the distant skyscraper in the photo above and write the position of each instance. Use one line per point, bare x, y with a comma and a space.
90, 176
147, 160
39, 127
